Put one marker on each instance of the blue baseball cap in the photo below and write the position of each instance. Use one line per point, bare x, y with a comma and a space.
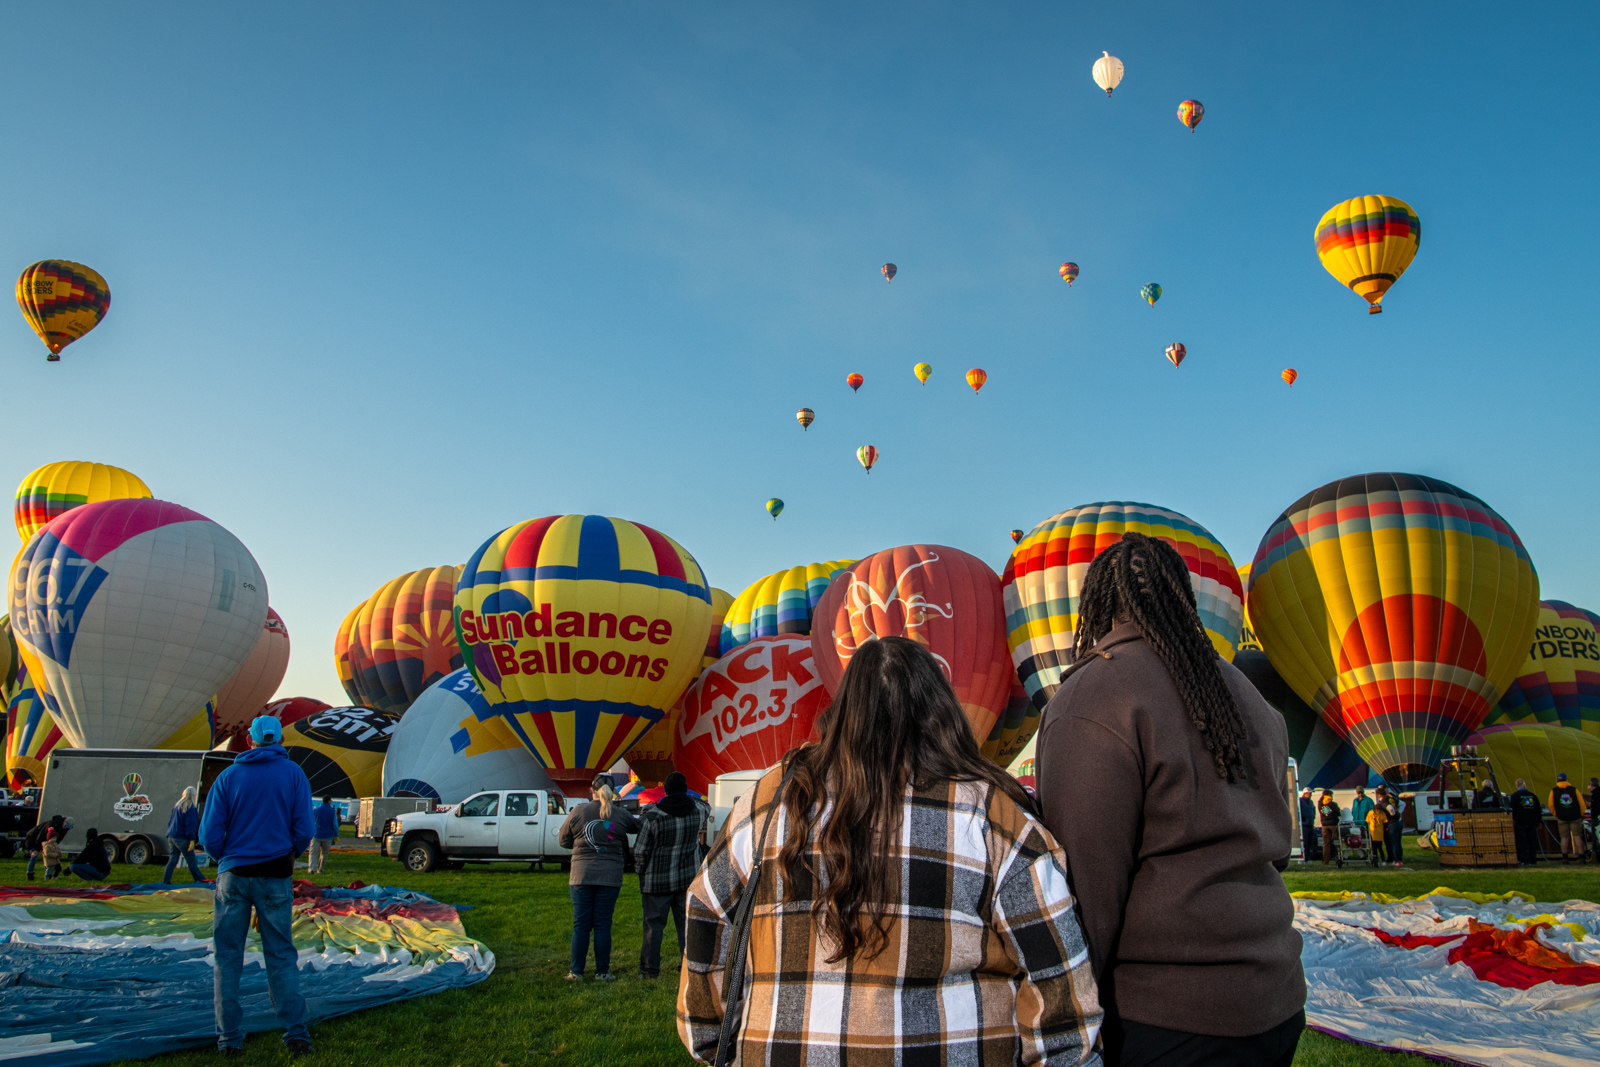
265, 729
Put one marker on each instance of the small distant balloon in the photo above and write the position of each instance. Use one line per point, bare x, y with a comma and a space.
1151, 293
976, 377
1016, 537
889, 271
1108, 72
854, 382
1176, 352
868, 455
1069, 271
774, 508
923, 371
1289, 375
1190, 112
805, 416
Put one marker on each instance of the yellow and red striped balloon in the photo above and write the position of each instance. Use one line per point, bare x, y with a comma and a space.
59, 487
62, 301
1367, 243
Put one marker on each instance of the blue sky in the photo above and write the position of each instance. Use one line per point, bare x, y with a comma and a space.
388, 278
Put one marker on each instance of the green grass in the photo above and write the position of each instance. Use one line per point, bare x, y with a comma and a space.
526, 1015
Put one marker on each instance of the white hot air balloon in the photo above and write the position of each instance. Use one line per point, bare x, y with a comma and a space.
243, 696
450, 744
1108, 72
134, 613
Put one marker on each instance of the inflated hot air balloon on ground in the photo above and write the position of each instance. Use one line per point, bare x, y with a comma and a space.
62, 301
242, 697
1046, 570
288, 711
748, 709
1069, 272
30, 734
867, 456
781, 603
1175, 353
774, 508
59, 487
582, 631
1559, 681
854, 381
341, 750
401, 640
1107, 72
650, 757
198, 732
976, 377
132, 614
1322, 759
450, 744
1538, 752
1013, 729
10, 660
1247, 635
1289, 375
805, 416
888, 270
923, 371
944, 599
1190, 112
1400, 608
1367, 243
1151, 292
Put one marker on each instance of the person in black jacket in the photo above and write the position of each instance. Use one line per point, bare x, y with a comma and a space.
1526, 815
1308, 826
33, 841
1328, 817
92, 864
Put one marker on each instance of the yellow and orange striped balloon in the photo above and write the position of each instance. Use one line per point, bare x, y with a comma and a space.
1367, 243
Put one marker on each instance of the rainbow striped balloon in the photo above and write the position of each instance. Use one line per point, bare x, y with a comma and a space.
59, 487
1046, 570
1367, 243
780, 603
31, 733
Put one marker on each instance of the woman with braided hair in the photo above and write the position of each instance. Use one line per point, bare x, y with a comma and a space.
1161, 771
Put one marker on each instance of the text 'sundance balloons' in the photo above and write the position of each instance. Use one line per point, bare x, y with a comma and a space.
582, 631
450, 744
1046, 570
59, 487
133, 613
1367, 243
1559, 682
62, 301
650, 757
400, 640
1400, 608
242, 697
781, 603
1190, 112
748, 709
341, 750
1069, 272
944, 599
30, 734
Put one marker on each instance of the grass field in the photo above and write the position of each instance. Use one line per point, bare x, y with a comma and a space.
526, 1015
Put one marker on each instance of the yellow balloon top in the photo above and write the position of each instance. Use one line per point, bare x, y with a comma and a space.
59, 487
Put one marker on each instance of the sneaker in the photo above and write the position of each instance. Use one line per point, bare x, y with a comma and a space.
574, 977
298, 1048
605, 976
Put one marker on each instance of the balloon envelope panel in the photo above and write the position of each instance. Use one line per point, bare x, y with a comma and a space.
30, 734
450, 744
1538, 751
403, 638
1014, 728
780, 603
650, 757
341, 750
133, 613
1559, 682
242, 697
56, 488
198, 732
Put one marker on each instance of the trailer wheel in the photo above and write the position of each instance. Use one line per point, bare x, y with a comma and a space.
419, 856
137, 851
113, 847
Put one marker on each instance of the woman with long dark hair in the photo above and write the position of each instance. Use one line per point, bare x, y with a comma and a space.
910, 907
1164, 775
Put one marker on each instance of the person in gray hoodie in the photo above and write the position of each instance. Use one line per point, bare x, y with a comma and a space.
597, 833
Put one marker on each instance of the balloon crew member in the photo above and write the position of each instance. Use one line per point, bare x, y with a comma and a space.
1487, 798
92, 864
1526, 817
1395, 810
33, 840
1308, 826
1377, 829
1328, 818
324, 829
667, 857
1566, 804
597, 832
257, 820
52, 853
183, 830
1161, 771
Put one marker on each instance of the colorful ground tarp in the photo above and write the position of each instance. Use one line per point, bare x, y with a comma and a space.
124, 972
1498, 980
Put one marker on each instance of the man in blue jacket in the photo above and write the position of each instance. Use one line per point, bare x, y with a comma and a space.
257, 820
325, 827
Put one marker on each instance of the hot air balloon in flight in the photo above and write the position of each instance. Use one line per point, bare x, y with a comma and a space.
867, 455
774, 508
781, 603
141, 578
1400, 608
1289, 375
1046, 570
1176, 352
1559, 681
1069, 271
1190, 112
944, 599
889, 270
1108, 72
1016, 536
923, 371
1151, 293
242, 697
1367, 243
450, 743
401, 639
582, 631
341, 750
976, 377
58, 487
854, 381
805, 416
650, 757
62, 301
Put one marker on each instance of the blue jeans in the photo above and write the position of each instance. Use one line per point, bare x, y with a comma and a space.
33, 861
87, 873
1392, 832
272, 899
592, 906
181, 849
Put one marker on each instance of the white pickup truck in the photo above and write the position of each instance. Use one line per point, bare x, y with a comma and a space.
506, 825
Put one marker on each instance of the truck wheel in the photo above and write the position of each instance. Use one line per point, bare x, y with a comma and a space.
137, 852
420, 857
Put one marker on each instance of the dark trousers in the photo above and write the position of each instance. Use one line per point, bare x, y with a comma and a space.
1392, 832
1330, 842
1131, 1044
656, 908
1308, 842
592, 907
1378, 851
1527, 843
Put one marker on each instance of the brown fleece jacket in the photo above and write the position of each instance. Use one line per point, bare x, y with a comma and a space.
1176, 871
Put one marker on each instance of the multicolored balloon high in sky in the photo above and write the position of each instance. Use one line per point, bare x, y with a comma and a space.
867, 456
1400, 608
888, 270
774, 508
781, 603
400, 640
59, 487
1107, 72
854, 381
1367, 243
1016, 536
805, 417
62, 301
1175, 353
1151, 292
1046, 570
1289, 375
1559, 682
976, 377
923, 371
582, 631
1190, 112
1069, 272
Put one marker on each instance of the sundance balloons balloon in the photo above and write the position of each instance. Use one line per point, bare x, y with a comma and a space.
854, 381
650, 757
944, 599
341, 750
30, 735
133, 613
242, 697
1108, 72
748, 709
58, 487
1069, 272
1367, 243
781, 603
976, 377
1151, 292
451, 744
1046, 570
62, 301
1175, 353
582, 631
1559, 682
1400, 608
1190, 112
402, 639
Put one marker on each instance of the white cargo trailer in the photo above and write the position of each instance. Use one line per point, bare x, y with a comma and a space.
125, 793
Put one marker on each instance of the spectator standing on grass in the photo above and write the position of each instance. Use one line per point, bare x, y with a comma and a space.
257, 820
597, 833
1308, 825
1527, 816
667, 857
1161, 771
910, 907
1566, 804
33, 840
1394, 826
324, 828
92, 864
183, 830
1328, 818
1360, 805
52, 853
1377, 830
